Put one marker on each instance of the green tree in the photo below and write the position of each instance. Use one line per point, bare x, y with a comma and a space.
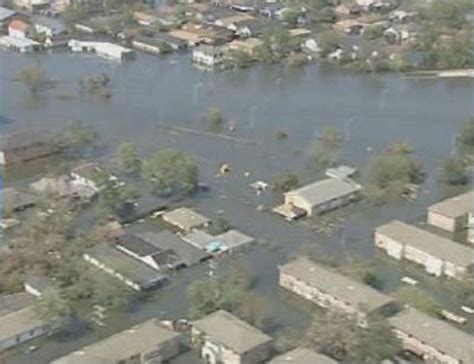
170, 172
466, 136
128, 159
285, 182
35, 78
418, 299
340, 337
80, 139
214, 119
53, 309
453, 172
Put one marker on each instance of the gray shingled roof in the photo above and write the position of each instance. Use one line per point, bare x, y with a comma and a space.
302, 356
228, 330
143, 338
356, 294
455, 206
430, 243
325, 190
129, 267
166, 240
436, 333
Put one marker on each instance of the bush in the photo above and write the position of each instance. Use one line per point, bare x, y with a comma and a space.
453, 172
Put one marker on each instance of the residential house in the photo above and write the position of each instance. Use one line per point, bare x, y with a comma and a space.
148, 342
439, 256
302, 355
341, 172
162, 251
48, 27
89, 175
144, 18
23, 146
332, 290
232, 22
32, 5
19, 29
249, 45
176, 44
451, 214
186, 219
20, 326
6, 16
233, 240
105, 50
132, 272
190, 38
20, 45
434, 340
150, 44
202, 240
224, 338
15, 200
322, 196
249, 28
64, 187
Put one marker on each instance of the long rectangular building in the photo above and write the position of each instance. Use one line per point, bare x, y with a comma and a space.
451, 214
149, 342
323, 196
439, 256
330, 289
432, 339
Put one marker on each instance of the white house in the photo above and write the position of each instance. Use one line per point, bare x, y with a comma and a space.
451, 214
432, 339
20, 326
323, 196
148, 342
224, 338
331, 290
210, 56
439, 256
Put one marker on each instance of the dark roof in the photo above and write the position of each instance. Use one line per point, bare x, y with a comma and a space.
166, 240
137, 245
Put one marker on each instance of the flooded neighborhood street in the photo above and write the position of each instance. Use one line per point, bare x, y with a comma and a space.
155, 100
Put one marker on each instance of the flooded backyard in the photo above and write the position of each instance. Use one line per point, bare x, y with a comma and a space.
151, 96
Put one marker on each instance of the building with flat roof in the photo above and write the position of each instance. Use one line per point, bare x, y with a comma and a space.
233, 240
132, 272
432, 339
224, 338
20, 326
332, 290
323, 196
149, 342
451, 214
438, 255
302, 356
186, 219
